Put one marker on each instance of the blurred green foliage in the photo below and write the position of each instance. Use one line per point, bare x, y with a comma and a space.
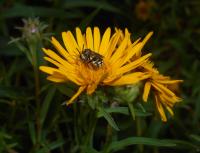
176, 51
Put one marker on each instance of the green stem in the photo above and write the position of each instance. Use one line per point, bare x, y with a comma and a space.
132, 111
90, 120
37, 87
139, 133
37, 99
108, 134
92, 126
108, 139
76, 132
33, 50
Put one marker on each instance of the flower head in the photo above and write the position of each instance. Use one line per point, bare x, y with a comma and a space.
164, 91
108, 60
32, 27
163, 87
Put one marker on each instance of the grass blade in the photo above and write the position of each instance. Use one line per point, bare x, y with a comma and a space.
109, 118
119, 145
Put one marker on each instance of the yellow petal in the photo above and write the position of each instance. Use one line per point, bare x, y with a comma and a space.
97, 38
80, 39
70, 43
52, 61
148, 65
130, 51
147, 37
138, 54
105, 42
170, 111
169, 81
80, 90
56, 79
66, 71
147, 88
61, 50
116, 72
113, 42
120, 51
169, 99
135, 48
160, 109
129, 79
168, 105
48, 70
133, 65
163, 89
57, 58
89, 39
71, 76
128, 34
91, 88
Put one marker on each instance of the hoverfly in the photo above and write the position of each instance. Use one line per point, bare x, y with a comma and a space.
91, 58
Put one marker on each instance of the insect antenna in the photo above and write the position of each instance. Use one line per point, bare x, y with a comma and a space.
75, 56
78, 51
81, 50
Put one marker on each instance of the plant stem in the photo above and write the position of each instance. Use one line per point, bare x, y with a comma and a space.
37, 87
37, 99
76, 132
93, 121
108, 139
139, 133
33, 45
132, 111
108, 134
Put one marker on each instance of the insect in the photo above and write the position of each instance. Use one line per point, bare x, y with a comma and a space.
91, 58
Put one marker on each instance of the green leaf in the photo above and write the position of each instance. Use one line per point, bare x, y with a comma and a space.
67, 89
32, 132
141, 113
197, 108
119, 145
108, 117
12, 92
120, 110
124, 110
6, 141
195, 137
185, 145
51, 146
88, 149
7, 49
12, 145
46, 103
128, 93
92, 100
20, 10
132, 110
4, 135
23, 49
95, 4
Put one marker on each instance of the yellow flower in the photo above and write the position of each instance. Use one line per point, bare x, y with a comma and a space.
115, 51
163, 88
